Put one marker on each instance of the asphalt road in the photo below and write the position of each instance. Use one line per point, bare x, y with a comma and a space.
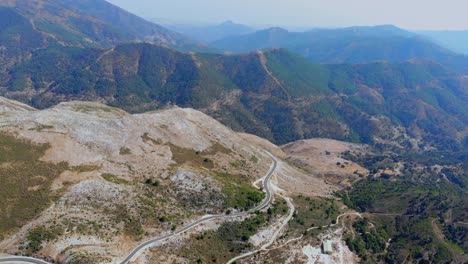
263, 204
22, 260
143, 246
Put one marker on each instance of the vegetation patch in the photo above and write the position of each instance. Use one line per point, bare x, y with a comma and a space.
153, 182
404, 211
419, 213
125, 151
114, 179
85, 168
94, 108
156, 207
24, 181
312, 212
254, 159
132, 226
238, 192
88, 258
41, 127
381, 196
146, 138
183, 155
368, 241
84, 226
196, 158
230, 240
41, 234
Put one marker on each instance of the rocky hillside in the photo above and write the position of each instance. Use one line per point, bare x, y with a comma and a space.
88, 182
273, 94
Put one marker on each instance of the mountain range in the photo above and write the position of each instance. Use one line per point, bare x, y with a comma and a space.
27, 26
126, 140
84, 23
274, 94
401, 85
347, 45
454, 40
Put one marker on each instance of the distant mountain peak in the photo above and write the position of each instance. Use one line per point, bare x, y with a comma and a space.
210, 33
228, 22
388, 26
279, 29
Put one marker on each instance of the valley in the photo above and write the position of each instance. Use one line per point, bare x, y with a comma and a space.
299, 205
124, 141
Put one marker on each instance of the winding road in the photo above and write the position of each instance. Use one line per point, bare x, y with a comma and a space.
263, 204
272, 240
18, 259
140, 248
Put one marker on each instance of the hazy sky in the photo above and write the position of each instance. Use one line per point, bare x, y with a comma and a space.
410, 14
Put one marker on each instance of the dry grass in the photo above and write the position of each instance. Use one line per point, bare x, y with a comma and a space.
25, 182
189, 156
114, 179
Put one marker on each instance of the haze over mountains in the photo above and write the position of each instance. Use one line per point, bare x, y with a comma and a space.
210, 33
347, 45
86, 182
454, 40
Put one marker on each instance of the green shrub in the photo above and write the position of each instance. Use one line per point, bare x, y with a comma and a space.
41, 234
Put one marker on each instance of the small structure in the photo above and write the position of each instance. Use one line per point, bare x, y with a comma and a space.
327, 247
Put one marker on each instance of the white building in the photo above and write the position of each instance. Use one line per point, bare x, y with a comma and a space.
327, 247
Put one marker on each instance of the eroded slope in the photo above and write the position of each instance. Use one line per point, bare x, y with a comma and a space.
106, 179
